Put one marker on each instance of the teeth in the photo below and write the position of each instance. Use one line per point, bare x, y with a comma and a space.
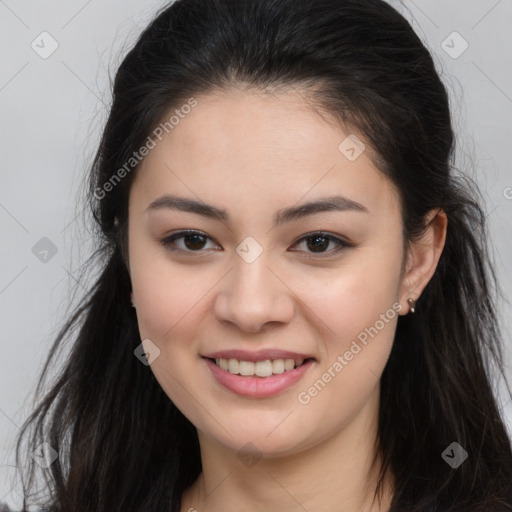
232, 365
263, 368
246, 368
289, 364
278, 366
259, 368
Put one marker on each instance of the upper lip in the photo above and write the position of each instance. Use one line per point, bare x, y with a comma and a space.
259, 355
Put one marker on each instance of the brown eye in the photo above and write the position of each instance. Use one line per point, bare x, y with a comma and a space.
318, 243
193, 241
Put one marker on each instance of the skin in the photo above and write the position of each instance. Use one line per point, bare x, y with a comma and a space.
253, 154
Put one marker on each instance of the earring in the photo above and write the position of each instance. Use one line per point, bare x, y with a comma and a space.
131, 298
412, 304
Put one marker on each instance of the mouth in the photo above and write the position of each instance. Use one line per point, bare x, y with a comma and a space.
260, 378
262, 369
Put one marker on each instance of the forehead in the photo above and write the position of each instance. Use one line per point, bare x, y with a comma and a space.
244, 148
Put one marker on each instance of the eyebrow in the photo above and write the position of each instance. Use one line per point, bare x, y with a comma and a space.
325, 204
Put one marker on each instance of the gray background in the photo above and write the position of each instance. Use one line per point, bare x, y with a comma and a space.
52, 111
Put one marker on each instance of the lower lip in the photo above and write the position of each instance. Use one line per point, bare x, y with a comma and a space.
258, 387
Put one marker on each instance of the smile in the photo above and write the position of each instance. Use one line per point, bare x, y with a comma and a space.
259, 368
258, 379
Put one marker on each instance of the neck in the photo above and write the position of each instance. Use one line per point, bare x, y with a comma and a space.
335, 474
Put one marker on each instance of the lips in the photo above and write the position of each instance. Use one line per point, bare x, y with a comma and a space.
258, 374
260, 355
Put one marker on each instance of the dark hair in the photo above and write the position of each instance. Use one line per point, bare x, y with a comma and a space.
123, 444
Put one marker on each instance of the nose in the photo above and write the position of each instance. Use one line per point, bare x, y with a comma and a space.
253, 295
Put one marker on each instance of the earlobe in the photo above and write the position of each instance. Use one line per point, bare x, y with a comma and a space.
422, 259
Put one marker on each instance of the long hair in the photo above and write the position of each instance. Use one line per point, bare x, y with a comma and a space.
122, 443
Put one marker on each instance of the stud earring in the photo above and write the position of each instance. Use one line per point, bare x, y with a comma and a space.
412, 304
131, 298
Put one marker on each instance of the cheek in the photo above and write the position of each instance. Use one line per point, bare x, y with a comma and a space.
166, 294
342, 302
356, 295
170, 305
339, 307
358, 311
351, 303
362, 323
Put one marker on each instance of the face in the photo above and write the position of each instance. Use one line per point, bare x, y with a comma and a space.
257, 283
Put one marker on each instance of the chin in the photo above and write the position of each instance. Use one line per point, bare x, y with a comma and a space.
264, 439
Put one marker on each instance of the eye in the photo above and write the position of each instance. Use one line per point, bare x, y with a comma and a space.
316, 243
193, 241
319, 241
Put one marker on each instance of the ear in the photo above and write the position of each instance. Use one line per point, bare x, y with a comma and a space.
422, 258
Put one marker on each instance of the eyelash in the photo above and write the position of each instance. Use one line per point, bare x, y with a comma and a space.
341, 244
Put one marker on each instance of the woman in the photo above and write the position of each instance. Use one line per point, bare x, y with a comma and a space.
313, 323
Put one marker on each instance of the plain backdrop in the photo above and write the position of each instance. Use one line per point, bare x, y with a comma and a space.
57, 58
